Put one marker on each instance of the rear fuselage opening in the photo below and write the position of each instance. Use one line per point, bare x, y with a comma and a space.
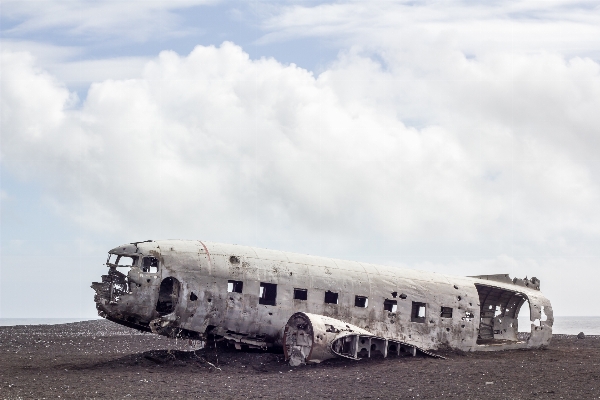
499, 310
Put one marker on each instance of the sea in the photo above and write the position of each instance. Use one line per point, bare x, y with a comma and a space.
568, 325
41, 321
562, 325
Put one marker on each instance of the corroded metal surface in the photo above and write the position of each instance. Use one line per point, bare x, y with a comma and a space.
257, 298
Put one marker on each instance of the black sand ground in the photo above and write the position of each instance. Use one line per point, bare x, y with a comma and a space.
99, 359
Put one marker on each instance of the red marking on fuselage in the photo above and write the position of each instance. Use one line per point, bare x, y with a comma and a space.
207, 253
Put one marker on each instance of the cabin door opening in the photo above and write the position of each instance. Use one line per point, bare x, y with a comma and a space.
498, 317
168, 296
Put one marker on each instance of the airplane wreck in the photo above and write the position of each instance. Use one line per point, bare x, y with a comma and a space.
314, 308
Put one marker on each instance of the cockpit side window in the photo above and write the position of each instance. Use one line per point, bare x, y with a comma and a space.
121, 261
126, 261
150, 264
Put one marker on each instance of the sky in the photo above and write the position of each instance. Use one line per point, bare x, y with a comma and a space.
458, 137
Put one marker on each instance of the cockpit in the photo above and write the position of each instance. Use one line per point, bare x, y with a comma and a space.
149, 264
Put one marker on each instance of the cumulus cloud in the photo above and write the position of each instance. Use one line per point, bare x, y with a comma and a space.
214, 144
450, 137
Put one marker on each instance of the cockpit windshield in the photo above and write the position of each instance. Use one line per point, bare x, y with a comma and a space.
147, 264
120, 261
126, 261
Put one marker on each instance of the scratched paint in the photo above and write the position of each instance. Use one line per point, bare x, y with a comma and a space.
262, 298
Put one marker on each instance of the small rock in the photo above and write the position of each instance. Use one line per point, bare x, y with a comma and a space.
489, 383
581, 335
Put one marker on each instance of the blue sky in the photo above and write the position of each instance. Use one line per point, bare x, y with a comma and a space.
454, 137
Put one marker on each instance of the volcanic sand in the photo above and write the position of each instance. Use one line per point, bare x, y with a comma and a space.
100, 359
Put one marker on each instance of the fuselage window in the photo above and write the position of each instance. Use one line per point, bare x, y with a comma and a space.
150, 264
235, 286
268, 294
331, 297
418, 312
390, 305
361, 301
446, 312
300, 294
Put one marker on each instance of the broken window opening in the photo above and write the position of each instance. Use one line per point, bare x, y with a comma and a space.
150, 264
234, 259
418, 312
125, 261
469, 316
268, 294
193, 296
390, 305
300, 294
168, 296
498, 311
537, 323
524, 318
361, 301
331, 297
235, 286
544, 316
446, 312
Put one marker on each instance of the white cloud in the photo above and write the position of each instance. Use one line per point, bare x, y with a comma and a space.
85, 72
420, 27
132, 20
216, 143
70, 66
441, 132
45, 54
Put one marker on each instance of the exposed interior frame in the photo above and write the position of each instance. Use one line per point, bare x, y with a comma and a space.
499, 311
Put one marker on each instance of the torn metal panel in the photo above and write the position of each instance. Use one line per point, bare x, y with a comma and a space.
251, 297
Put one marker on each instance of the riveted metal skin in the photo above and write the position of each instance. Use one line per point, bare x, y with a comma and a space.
179, 288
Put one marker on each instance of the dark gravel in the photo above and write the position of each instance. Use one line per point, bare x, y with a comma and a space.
99, 359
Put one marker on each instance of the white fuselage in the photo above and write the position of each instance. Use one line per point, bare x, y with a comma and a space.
243, 292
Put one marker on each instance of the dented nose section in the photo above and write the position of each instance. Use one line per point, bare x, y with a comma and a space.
128, 292
109, 297
109, 291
